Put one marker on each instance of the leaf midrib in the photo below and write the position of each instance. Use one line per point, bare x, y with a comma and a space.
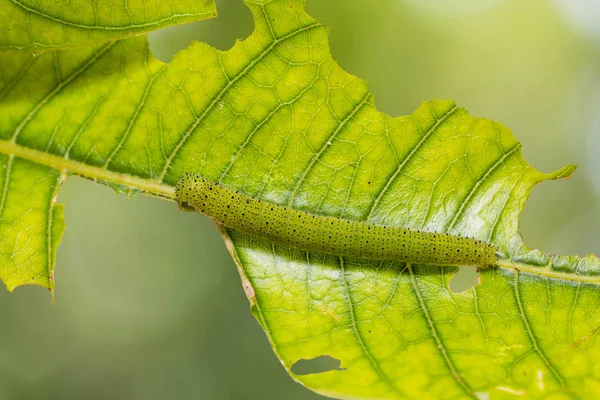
147, 186
157, 189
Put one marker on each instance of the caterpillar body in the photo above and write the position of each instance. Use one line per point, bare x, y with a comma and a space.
327, 234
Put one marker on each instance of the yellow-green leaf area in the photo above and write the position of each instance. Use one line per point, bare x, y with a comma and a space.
31, 223
43, 25
276, 118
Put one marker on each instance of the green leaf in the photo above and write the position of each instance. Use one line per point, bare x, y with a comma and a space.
43, 25
277, 118
32, 224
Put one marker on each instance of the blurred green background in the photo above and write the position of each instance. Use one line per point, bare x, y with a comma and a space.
148, 302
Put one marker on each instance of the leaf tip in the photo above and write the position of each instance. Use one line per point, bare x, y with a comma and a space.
563, 173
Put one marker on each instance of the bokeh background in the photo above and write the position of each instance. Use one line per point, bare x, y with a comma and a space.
148, 302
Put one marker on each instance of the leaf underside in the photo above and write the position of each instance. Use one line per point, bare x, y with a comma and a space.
278, 119
50, 25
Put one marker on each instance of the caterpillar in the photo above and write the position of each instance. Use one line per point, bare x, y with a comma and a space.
328, 234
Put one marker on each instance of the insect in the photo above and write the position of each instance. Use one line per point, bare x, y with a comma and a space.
327, 234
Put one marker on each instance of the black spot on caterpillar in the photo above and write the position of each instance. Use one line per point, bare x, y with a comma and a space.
326, 234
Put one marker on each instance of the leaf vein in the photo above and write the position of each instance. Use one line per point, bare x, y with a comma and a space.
533, 339
135, 117
410, 155
440, 345
59, 87
372, 360
571, 310
50, 218
479, 182
327, 144
6, 182
223, 91
262, 123
128, 27
17, 78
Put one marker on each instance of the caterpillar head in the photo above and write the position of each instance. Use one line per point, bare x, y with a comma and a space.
187, 189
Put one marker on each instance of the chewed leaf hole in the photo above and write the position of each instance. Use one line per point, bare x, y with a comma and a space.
316, 365
465, 279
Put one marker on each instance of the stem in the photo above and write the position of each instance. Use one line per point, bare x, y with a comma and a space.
547, 272
145, 185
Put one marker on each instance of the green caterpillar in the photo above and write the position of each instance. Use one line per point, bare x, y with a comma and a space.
330, 235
